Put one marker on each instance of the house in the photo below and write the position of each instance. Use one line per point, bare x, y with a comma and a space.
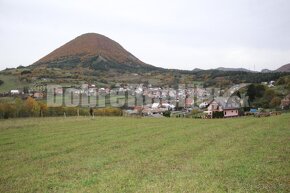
269, 84
15, 92
188, 102
38, 95
157, 108
272, 82
159, 105
228, 107
152, 111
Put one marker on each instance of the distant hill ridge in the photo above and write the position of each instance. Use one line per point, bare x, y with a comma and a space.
100, 52
233, 69
284, 68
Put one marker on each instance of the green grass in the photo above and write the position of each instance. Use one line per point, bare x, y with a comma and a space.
11, 82
145, 155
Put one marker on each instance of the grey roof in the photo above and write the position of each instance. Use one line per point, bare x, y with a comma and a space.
227, 103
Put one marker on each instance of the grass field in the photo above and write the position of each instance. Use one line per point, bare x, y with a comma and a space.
10, 83
114, 154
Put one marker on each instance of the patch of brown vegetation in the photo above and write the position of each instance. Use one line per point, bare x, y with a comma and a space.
90, 45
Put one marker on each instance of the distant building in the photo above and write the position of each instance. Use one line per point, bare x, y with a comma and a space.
14, 92
38, 95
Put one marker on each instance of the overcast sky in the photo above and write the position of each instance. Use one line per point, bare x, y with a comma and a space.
183, 34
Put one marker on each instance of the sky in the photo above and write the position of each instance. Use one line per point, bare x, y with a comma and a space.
179, 34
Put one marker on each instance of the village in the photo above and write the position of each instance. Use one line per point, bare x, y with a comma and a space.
138, 100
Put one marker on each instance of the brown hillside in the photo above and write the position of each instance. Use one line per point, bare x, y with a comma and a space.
92, 45
284, 68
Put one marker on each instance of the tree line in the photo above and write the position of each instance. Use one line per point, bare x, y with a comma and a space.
32, 108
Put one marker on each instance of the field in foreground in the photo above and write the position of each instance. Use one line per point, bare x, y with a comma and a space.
145, 155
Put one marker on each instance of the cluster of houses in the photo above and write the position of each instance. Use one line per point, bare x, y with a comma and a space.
181, 102
158, 101
20, 93
222, 105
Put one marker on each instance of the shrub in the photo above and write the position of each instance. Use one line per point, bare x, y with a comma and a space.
25, 72
108, 112
195, 111
32, 106
20, 67
166, 114
218, 114
275, 102
7, 110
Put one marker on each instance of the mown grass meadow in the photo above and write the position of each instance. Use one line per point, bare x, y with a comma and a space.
117, 154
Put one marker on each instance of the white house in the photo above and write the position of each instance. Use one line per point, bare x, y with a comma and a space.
15, 92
